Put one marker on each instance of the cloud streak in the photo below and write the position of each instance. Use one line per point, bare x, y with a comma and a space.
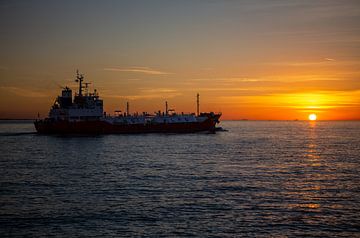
143, 70
24, 92
303, 101
325, 62
149, 93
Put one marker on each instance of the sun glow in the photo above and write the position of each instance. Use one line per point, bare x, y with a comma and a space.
312, 117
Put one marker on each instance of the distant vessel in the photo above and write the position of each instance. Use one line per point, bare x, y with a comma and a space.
84, 115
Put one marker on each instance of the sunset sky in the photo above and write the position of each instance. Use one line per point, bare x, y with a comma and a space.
260, 60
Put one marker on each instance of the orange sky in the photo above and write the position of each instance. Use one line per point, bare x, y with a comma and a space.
257, 60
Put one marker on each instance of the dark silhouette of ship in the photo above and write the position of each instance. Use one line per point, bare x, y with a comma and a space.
84, 115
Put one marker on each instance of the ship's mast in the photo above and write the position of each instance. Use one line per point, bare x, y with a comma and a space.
198, 104
127, 108
166, 108
80, 79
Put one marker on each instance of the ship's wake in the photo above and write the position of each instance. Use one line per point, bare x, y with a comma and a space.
16, 133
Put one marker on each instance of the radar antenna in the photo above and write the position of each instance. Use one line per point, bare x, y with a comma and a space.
79, 79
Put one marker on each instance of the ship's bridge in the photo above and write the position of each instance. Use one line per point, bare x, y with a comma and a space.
85, 106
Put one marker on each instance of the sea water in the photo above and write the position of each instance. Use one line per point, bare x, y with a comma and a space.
258, 179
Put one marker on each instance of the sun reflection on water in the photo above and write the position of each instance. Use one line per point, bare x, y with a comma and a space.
312, 152
307, 186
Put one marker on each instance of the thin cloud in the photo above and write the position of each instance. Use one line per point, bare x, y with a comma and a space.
300, 64
227, 80
148, 93
133, 79
325, 62
304, 100
158, 90
144, 70
147, 96
24, 92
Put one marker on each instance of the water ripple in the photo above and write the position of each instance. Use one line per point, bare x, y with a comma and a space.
260, 179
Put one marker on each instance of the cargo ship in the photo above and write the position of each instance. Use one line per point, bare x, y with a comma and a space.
84, 114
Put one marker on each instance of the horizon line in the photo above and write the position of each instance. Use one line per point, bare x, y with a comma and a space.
32, 119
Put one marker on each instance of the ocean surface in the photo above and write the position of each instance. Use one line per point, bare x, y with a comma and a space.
258, 179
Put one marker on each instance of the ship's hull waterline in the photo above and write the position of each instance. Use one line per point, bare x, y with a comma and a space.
103, 127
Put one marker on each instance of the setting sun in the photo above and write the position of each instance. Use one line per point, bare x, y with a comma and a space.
312, 117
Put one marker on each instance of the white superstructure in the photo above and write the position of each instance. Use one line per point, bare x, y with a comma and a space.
89, 107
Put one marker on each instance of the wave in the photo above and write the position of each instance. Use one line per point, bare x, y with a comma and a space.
16, 133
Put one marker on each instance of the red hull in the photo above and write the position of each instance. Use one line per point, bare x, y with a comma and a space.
103, 127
